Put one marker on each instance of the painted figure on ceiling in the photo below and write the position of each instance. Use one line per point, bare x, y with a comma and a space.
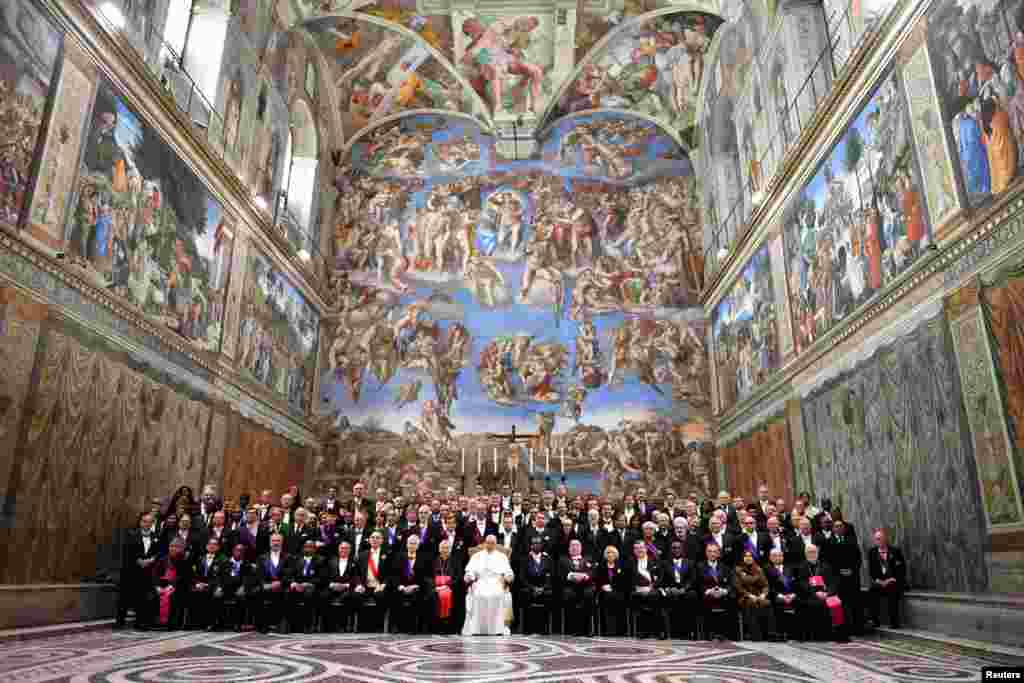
496, 52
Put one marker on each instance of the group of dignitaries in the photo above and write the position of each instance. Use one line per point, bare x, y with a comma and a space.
678, 568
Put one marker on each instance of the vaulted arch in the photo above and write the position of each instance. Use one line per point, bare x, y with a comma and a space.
379, 68
650, 64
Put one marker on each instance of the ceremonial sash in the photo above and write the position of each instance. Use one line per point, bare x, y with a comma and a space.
170, 575
444, 596
817, 582
372, 566
835, 608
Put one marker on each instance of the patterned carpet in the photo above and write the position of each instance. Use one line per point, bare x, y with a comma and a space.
102, 656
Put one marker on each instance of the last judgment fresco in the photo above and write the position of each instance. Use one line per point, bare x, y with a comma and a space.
557, 295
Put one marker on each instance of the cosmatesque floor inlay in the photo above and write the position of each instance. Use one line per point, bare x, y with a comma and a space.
126, 657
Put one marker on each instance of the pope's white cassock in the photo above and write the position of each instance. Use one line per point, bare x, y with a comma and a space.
487, 599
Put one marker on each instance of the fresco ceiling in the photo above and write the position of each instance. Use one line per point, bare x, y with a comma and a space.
527, 65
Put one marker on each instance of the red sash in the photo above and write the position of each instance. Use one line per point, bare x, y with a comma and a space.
444, 596
372, 566
817, 582
835, 608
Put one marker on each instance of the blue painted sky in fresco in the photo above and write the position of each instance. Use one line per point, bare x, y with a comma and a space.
474, 411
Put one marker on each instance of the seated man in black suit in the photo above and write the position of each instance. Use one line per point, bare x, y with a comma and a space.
304, 571
677, 587
272, 574
888, 572
819, 609
206, 571
574, 574
339, 590
235, 587
714, 583
645, 597
413, 580
782, 593
536, 586
375, 572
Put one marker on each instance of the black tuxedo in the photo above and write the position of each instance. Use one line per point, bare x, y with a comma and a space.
412, 610
364, 539
894, 567
206, 577
375, 602
297, 537
756, 546
680, 595
646, 602
515, 543
728, 547
338, 606
536, 592
135, 580
473, 535
768, 543
612, 602
718, 611
547, 537
271, 601
590, 537
204, 513
577, 596
330, 505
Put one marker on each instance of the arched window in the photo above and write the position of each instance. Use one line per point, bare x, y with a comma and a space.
301, 180
194, 37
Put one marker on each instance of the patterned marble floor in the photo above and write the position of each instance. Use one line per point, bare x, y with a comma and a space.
102, 656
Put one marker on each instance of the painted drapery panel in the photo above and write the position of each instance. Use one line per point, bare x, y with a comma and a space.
745, 334
278, 336
146, 227
888, 442
765, 455
101, 436
29, 44
860, 222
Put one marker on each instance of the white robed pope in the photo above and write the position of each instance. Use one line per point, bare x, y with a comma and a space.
488, 575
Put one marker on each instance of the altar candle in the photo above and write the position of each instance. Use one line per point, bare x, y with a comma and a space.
479, 460
530, 450
547, 459
495, 459
463, 460
563, 459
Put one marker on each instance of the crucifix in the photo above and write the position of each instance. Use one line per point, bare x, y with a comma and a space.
512, 437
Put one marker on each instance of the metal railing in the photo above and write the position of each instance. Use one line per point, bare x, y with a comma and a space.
800, 108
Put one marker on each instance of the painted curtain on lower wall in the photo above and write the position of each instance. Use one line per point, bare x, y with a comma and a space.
888, 442
99, 435
765, 455
255, 458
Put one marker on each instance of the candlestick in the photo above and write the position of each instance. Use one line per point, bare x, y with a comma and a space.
495, 459
530, 451
547, 460
479, 460
563, 459
463, 460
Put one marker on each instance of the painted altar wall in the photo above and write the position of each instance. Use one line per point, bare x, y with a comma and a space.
898, 394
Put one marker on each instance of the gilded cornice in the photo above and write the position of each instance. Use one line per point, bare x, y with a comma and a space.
122, 65
860, 73
995, 236
200, 369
